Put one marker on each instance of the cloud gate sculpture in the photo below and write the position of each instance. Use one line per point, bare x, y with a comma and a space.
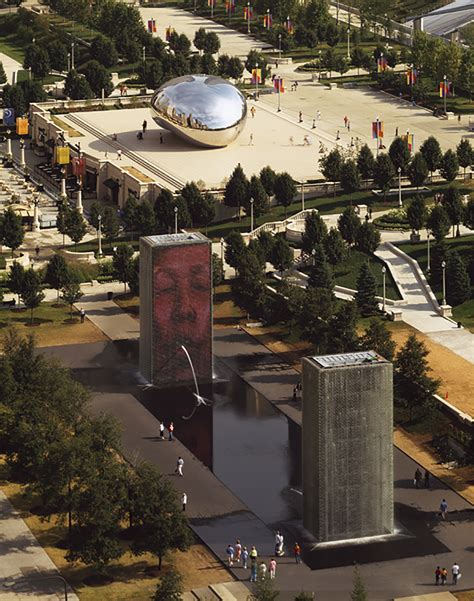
203, 109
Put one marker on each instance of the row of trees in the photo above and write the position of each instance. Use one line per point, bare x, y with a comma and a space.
72, 462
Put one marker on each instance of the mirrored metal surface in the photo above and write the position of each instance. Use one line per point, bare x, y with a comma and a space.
204, 109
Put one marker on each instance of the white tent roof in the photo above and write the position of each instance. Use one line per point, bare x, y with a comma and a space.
447, 22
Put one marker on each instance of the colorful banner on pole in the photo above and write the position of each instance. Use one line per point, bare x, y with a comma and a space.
230, 6
377, 129
78, 166
62, 155
409, 140
288, 25
444, 88
151, 26
248, 13
268, 21
169, 32
9, 117
22, 126
211, 3
279, 85
381, 64
256, 76
412, 76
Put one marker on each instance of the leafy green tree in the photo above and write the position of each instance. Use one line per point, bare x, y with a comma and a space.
358, 592
315, 312
335, 247
77, 87
413, 384
110, 224
418, 170
264, 590
200, 39
145, 218
469, 214
37, 59
331, 165
348, 224
466, 72
367, 238
129, 214
253, 58
122, 263
350, 178
217, 271
71, 293
212, 43
96, 210
282, 255
134, 277
234, 249
57, 273
384, 172
438, 222
57, 54
417, 213
3, 75
103, 50
357, 58
265, 241
431, 151
98, 78
285, 189
235, 68
14, 97
343, 329
458, 284
267, 177
249, 287
321, 275
75, 225
379, 339
208, 64
365, 162
315, 231
180, 43
207, 210
15, 278
12, 233
193, 197
152, 74
449, 166
170, 587
366, 291
237, 189
454, 207
31, 292
399, 154
464, 154
260, 198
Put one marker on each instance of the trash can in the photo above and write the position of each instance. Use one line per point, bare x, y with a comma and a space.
110, 295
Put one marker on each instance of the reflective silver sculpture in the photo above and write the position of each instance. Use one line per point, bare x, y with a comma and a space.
203, 109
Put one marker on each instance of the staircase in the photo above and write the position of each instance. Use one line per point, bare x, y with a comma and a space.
225, 591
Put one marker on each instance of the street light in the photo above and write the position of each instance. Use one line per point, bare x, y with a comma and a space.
399, 186
99, 233
176, 220
72, 56
445, 79
384, 271
428, 260
248, 17
144, 54
279, 46
251, 214
302, 195
443, 265
68, 61
9, 145
222, 253
313, 254
256, 81
348, 42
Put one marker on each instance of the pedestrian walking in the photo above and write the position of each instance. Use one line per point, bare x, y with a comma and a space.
253, 564
251, 140
230, 555
253, 111
119, 154
106, 155
114, 137
456, 572
292, 141
162, 430
184, 500
272, 566
314, 124
443, 508
179, 466
300, 117
396, 132
262, 570
297, 553
170, 431
245, 557
294, 394
437, 575
417, 478
348, 125
82, 313
144, 125
238, 550
338, 135
161, 138
279, 544
444, 576
37, 251
459, 117
427, 479
345, 120
318, 115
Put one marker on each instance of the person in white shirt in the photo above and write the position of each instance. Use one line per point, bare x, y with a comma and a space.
456, 572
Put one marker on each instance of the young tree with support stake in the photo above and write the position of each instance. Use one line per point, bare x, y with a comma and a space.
11, 230
454, 208
417, 213
285, 190
122, 263
431, 151
57, 273
330, 166
464, 154
71, 294
31, 292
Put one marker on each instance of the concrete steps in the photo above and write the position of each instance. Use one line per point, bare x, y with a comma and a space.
224, 591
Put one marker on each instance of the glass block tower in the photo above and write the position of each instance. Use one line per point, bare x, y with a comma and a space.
347, 446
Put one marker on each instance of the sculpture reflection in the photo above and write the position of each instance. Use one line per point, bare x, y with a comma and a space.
203, 109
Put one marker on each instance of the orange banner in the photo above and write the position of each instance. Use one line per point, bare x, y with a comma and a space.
22, 126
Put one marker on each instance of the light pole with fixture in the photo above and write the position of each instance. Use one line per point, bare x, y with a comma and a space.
279, 46
9, 145
256, 81
99, 233
302, 195
428, 258
348, 42
384, 271
313, 254
72, 56
248, 17
399, 186
445, 91
251, 214
443, 265
175, 220
222, 253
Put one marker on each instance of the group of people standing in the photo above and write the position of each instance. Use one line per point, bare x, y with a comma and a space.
441, 574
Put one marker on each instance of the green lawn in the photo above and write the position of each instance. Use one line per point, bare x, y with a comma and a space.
107, 247
10, 43
46, 313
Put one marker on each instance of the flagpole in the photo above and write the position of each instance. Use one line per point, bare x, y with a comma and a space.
212, 9
248, 17
279, 95
256, 81
377, 134
445, 78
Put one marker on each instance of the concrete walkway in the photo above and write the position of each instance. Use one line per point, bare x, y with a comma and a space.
25, 562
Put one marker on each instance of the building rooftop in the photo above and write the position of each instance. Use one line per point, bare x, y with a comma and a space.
347, 359
172, 239
448, 18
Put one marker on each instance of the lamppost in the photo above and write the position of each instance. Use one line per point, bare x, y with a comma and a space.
313, 254
302, 194
445, 94
279, 46
256, 81
443, 265
9, 145
222, 253
399, 186
72, 56
428, 259
99, 233
68, 61
22, 153
319, 63
175, 220
384, 271
144, 54
348, 42
251, 214
248, 17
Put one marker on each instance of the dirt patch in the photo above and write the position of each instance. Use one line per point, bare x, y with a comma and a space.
465, 596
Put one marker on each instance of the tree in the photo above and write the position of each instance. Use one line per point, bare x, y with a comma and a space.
458, 284
264, 590
98, 78
399, 154
348, 223
256, 58
14, 97
265, 241
37, 59
200, 38
358, 592
12, 233
413, 384
170, 587
438, 222
180, 44
321, 275
103, 50
75, 225
454, 207
249, 287
366, 162
260, 198
343, 329
122, 263
152, 74
237, 189
96, 210
357, 58
77, 87
129, 213
367, 238
3, 75
145, 218
330, 166
417, 213
315, 312
212, 43
267, 177
366, 291
379, 339
31, 292
134, 276
208, 64
57, 54
418, 170
285, 189
335, 247
217, 271
315, 231
71, 293
469, 214
282, 255
57, 273
234, 249
110, 226
431, 151
464, 154
449, 166
384, 172
15, 278
350, 178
